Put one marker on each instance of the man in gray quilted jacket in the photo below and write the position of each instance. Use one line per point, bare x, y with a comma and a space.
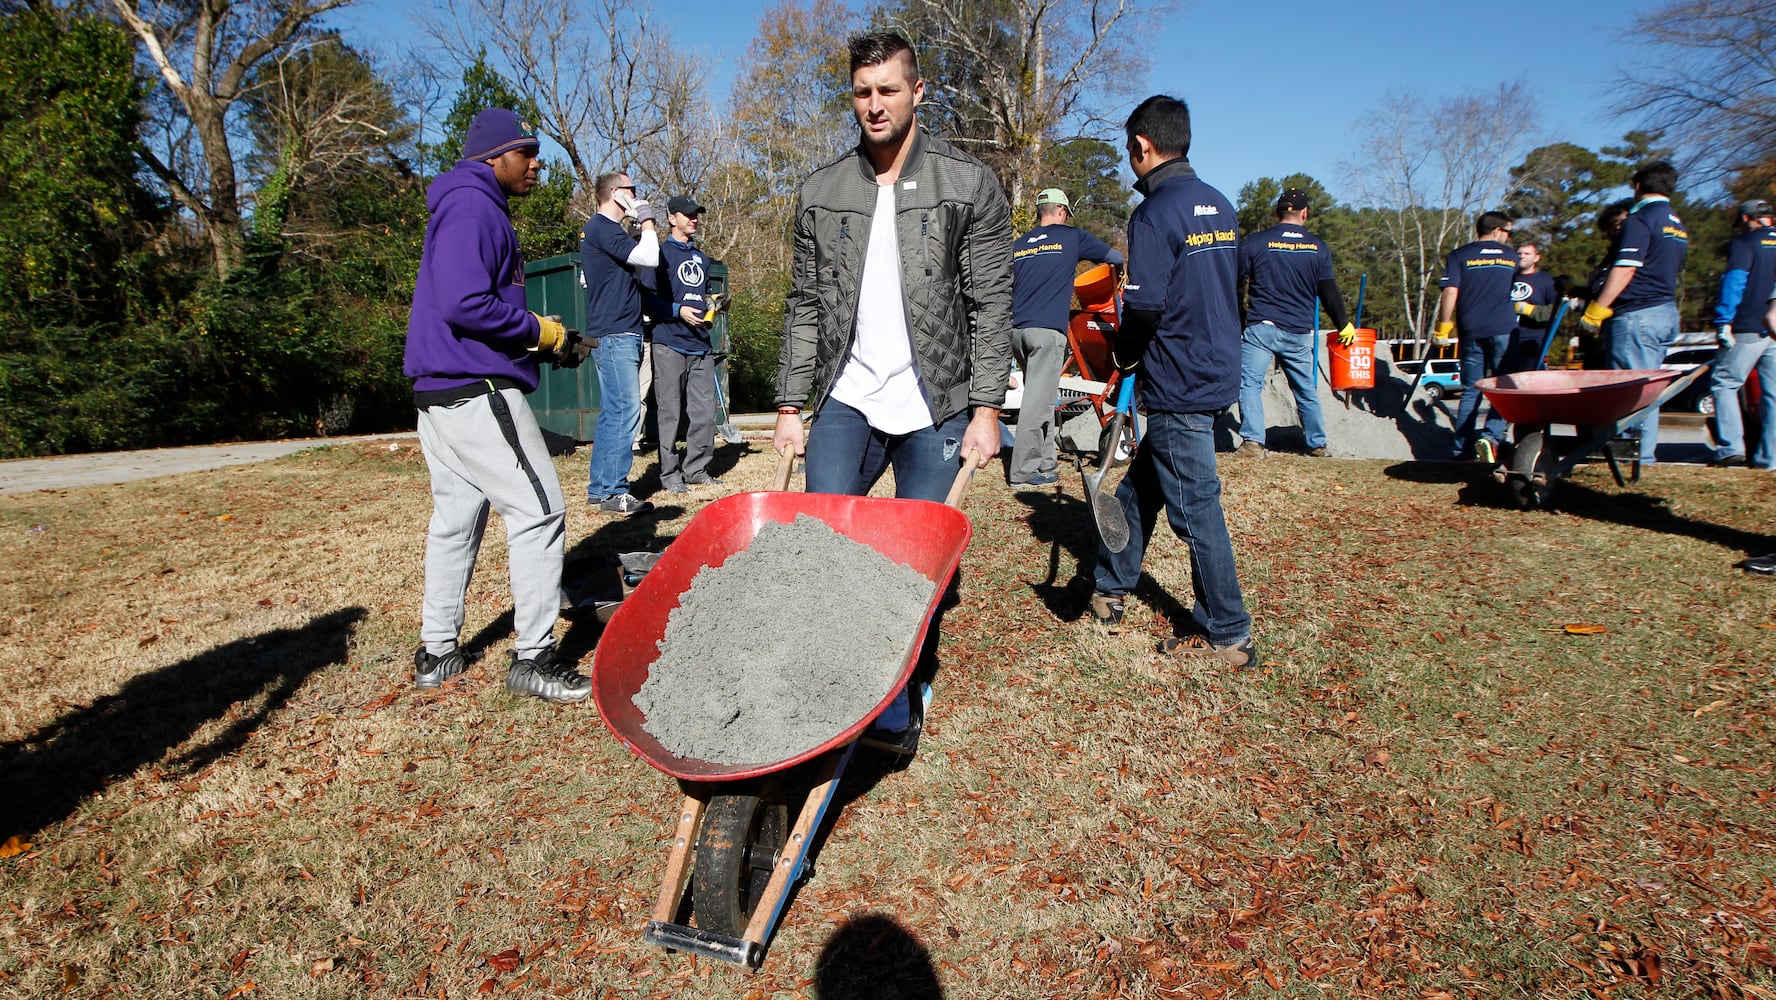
897, 327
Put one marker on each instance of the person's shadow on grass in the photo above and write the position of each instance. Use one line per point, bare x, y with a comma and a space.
1065, 522
45, 776
872, 957
1650, 512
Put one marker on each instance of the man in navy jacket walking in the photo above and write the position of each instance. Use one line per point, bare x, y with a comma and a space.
1180, 337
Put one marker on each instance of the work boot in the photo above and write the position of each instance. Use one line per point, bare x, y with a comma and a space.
431, 671
1106, 609
545, 676
1238, 655
1320, 452
1249, 449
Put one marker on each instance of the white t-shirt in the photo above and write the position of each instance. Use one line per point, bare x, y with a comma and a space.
879, 379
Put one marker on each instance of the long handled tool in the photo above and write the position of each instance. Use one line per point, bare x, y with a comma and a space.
1548, 340
1114, 448
726, 429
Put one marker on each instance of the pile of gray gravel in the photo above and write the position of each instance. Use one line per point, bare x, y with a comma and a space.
783, 646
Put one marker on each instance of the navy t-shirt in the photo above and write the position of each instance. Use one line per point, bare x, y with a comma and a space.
1184, 264
682, 279
1482, 273
1285, 265
1538, 290
1754, 254
1654, 242
1042, 264
613, 295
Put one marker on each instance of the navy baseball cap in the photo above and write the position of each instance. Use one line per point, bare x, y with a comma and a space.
1756, 208
1292, 200
683, 205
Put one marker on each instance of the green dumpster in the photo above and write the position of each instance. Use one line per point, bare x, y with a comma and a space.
566, 400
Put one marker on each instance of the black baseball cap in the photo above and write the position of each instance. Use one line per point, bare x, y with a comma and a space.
683, 205
1292, 200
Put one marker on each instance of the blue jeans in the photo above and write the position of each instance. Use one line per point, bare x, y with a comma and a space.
619, 415
1258, 344
1637, 341
1174, 468
1751, 351
846, 455
1480, 357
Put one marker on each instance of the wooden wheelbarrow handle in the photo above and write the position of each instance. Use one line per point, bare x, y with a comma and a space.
964, 475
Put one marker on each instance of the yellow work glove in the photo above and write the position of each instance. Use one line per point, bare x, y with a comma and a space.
1444, 334
551, 334
1537, 314
1347, 335
1594, 316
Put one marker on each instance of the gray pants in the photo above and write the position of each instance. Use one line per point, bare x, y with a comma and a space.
1040, 352
488, 452
684, 398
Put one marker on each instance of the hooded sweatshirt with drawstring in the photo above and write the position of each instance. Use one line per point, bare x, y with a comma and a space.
469, 321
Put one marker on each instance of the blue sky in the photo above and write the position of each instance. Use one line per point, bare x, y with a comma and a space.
1275, 86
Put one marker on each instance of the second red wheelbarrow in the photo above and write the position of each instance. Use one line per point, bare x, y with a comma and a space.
744, 832
1599, 405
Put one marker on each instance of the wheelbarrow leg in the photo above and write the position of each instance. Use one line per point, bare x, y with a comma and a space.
678, 861
794, 859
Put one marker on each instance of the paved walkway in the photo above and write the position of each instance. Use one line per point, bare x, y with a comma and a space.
23, 475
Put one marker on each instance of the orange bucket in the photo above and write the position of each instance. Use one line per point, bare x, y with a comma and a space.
1096, 289
1351, 367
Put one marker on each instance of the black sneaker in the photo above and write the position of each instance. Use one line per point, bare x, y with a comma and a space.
1106, 609
1761, 565
625, 504
1727, 461
546, 677
431, 671
703, 479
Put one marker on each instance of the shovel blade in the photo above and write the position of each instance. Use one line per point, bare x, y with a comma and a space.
1112, 523
1113, 526
730, 433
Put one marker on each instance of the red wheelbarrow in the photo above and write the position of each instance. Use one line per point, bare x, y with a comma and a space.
736, 844
1600, 405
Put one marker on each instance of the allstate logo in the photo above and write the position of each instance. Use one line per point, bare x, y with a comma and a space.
690, 272
1520, 291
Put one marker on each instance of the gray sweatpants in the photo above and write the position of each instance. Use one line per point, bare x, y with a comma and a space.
488, 452
1042, 352
684, 398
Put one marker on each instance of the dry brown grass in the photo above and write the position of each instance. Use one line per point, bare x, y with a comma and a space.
210, 739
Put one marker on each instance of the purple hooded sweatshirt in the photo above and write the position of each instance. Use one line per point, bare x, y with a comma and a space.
469, 322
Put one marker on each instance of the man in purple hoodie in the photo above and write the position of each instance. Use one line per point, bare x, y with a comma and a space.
473, 353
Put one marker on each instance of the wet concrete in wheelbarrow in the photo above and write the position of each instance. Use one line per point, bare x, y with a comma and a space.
782, 647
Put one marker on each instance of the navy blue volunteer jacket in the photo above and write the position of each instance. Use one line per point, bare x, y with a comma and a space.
1184, 265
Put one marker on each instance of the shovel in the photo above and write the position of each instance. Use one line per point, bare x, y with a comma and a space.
1114, 448
726, 430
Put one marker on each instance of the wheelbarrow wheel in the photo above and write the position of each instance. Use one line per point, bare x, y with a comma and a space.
743, 838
